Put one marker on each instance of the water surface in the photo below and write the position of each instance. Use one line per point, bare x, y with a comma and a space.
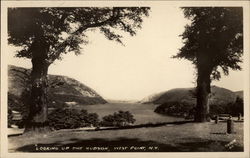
143, 113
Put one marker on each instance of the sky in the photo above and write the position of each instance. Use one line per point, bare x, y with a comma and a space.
140, 68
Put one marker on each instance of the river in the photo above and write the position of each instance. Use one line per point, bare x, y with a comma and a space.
143, 113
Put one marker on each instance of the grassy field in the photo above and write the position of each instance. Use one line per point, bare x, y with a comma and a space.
164, 138
189, 137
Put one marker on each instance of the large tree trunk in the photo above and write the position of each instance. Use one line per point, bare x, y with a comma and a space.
203, 90
38, 111
202, 107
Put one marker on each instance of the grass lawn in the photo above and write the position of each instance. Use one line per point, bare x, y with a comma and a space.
189, 137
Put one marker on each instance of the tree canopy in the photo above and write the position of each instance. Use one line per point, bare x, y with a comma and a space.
212, 41
215, 34
47, 33
62, 30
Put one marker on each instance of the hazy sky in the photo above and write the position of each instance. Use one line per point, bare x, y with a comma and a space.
142, 67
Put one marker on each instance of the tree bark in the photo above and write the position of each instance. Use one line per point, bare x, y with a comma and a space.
38, 110
202, 107
203, 89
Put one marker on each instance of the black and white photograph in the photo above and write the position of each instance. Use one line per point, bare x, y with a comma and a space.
151, 78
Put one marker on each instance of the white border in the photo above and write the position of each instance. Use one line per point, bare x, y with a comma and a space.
4, 140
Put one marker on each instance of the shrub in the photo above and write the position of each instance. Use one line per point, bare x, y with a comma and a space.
231, 108
89, 119
122, 118
180, 109
238, 107
71, 119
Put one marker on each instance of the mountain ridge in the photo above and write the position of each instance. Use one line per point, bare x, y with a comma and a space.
62, 89
218, 95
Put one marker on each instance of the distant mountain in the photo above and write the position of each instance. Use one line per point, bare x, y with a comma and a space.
151, 98
187, 95
62, 90
181, 101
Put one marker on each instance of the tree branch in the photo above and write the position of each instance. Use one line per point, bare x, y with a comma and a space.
114, 17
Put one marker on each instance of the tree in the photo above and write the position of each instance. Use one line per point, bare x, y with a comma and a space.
46, 33
213, 41
122, 118
72, 118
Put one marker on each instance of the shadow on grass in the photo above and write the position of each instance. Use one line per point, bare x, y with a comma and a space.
219, 133
15, 135
147, 125
127, 145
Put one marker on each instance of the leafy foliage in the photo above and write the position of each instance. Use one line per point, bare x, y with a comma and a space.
232, 108
71, 119
212, 41
215, 35
18, 104
64, 29
179, 109
47, 33
182, 109
122, 118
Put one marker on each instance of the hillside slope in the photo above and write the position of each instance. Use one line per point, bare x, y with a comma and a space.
187, 95
62, 89
181, 102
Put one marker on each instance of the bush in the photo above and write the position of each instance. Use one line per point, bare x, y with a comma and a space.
182, 109
179, 109
19, 104
72, 118
231, 108
122, 118
238, 107
89, 119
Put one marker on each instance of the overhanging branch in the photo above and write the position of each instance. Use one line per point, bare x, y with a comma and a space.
114, 17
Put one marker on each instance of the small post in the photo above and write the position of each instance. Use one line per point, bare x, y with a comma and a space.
216, 119
239, 116
230, 125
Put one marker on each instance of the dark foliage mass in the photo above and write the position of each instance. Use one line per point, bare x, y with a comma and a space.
187, 110
63, 118
72, 118
215, 33
66, 118
63, 29
19, 105
122, 118
175, 109
45, 34
232, 108
213, 42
